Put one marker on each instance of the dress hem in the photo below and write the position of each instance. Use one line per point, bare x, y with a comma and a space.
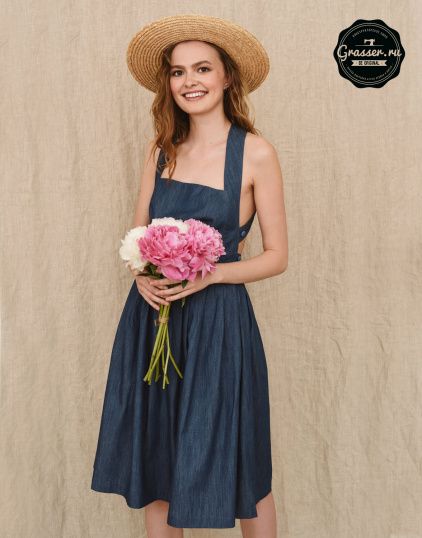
174, 522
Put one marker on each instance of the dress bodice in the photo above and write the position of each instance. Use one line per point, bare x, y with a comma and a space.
216, 207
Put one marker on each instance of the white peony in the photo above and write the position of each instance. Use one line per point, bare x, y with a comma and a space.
170, 221
129, 251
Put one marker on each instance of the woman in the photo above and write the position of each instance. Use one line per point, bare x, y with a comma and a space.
199, 453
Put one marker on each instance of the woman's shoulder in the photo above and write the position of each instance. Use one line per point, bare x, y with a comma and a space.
149, 147
151, 156
258, 149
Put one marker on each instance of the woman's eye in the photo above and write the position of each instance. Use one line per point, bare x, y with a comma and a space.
179, 71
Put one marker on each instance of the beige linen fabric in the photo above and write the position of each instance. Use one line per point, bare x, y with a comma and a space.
341, 327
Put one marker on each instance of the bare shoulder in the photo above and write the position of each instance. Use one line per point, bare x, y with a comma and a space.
260, 155
149, 163
260, 148
152, 162
146, 185
149, 166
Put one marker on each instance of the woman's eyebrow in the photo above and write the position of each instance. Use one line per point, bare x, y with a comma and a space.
195, 64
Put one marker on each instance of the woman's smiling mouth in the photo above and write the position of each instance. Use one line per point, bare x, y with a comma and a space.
194, 96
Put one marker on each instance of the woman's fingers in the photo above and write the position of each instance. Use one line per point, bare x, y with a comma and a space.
146, 295
164, 281
150, 302
152, 293
156, 298
155, 288
148, 292
158, 285
171, 291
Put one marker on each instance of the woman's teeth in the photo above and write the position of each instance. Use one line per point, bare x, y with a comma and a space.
194, 96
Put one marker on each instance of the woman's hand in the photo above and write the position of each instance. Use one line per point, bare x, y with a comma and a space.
148, 287
174, 290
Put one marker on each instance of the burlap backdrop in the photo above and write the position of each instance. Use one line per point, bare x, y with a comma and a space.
341, 328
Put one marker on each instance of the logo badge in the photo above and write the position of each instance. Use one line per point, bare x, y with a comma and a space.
369, 53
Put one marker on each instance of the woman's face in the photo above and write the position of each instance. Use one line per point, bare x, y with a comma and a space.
196, 66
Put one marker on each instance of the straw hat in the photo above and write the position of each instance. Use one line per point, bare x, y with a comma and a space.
146, 47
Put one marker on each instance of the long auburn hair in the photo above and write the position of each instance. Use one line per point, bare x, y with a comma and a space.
171, 123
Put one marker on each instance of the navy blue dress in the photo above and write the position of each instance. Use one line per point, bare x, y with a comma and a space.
202, 444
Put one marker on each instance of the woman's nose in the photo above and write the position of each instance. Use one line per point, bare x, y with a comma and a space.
190, 80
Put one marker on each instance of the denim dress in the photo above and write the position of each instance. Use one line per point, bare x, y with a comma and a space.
203, 444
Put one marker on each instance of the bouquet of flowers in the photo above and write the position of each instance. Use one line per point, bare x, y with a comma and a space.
174, 249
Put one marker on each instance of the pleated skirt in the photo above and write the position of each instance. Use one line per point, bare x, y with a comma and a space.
203, 443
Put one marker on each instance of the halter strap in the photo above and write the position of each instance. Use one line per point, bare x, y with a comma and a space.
234, 166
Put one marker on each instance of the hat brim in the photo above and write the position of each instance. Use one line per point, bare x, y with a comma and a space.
146, 47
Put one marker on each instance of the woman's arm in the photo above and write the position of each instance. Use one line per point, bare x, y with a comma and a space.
146, 188
269, 202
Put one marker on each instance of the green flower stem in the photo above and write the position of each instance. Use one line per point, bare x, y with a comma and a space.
172, 358
156, 354
158, 345
161, 340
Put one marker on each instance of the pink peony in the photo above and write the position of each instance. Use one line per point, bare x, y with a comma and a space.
205, 247
165, 247
179, 255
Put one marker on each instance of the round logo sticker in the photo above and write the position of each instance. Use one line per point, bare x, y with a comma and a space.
369, 53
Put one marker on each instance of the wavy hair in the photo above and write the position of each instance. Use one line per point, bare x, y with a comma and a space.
171, 123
